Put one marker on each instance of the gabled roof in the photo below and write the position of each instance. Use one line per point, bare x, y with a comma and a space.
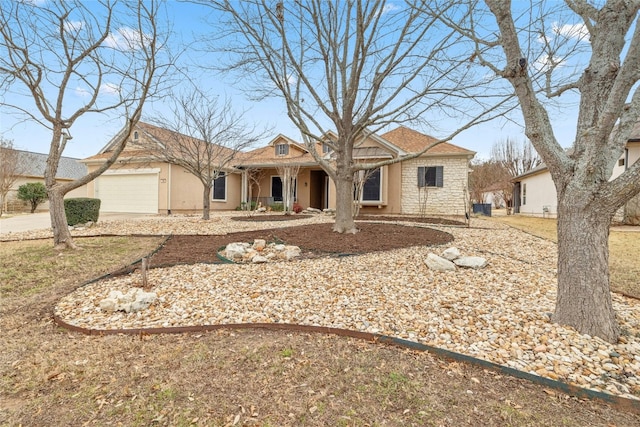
159, 137
413, 141
34, 165
266, 156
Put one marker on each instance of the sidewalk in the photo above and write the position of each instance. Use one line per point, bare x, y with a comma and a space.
42, 221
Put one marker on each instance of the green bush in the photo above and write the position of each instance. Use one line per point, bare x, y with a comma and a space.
34, 193
81, 210
277, 207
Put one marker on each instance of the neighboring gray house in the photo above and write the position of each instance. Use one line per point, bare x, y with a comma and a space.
31, 169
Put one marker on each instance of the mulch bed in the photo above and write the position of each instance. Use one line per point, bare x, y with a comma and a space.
266, 217
314, 239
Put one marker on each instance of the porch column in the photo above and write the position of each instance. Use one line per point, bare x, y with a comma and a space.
244, 187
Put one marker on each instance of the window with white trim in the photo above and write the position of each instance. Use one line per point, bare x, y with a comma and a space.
282, 149
430, 176
219, 190
372, 188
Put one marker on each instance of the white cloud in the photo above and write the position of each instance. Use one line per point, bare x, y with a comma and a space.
389, 7
110, 89
73, 26
572, 31
543, 63
126, 38
81, 92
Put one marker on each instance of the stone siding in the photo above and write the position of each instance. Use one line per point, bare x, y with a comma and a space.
446, 200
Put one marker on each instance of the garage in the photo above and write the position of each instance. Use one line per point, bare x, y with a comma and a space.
128, 191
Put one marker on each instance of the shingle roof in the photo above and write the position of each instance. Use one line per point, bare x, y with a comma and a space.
161, 137
35, 163
413, 141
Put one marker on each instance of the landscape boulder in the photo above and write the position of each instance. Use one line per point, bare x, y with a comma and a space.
470, 262
132, 301
260, 252
451, 253
438, 263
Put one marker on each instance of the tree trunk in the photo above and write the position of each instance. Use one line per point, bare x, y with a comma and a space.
206, 201
61, 234
344, 201
584, 297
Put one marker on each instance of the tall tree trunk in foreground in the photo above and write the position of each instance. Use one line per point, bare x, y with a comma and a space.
344, 192
584, 297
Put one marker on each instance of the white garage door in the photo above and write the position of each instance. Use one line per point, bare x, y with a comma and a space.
135, 192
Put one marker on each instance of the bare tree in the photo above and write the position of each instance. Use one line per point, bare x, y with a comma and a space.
255, 176
61, 61
490, 177
516, 158
205, 137
576, 48
360, 178
288, 176
349, 67
11, 167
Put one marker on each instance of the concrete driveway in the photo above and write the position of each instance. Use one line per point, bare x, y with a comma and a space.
42, 221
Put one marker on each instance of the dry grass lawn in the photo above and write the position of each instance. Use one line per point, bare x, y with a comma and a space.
53, 377
624, 246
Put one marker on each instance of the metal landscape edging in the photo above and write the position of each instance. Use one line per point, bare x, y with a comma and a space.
622, 403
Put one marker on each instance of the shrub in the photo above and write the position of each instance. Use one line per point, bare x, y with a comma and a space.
34, 193
277, 207
81, 210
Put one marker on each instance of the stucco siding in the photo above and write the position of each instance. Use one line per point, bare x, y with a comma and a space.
446, 200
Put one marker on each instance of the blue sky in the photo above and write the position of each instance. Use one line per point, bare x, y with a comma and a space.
91, 133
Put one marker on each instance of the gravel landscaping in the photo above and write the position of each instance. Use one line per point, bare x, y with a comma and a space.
499, 313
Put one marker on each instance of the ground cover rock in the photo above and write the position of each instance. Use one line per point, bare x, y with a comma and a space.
133, 301
435, 262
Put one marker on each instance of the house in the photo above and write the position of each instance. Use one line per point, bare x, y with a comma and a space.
31, 167
434, 183
535, 194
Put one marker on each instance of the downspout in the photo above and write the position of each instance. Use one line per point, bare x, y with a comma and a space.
626, 159
169, 190
244, 189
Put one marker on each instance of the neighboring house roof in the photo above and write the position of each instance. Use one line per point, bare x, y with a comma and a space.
413, 141
534, 171
35, 164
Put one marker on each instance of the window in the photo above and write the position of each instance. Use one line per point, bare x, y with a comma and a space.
621, 162
282, 149
135, 135
430, 176
524, 194
219, 189
276, 189
326, 149
371, 190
